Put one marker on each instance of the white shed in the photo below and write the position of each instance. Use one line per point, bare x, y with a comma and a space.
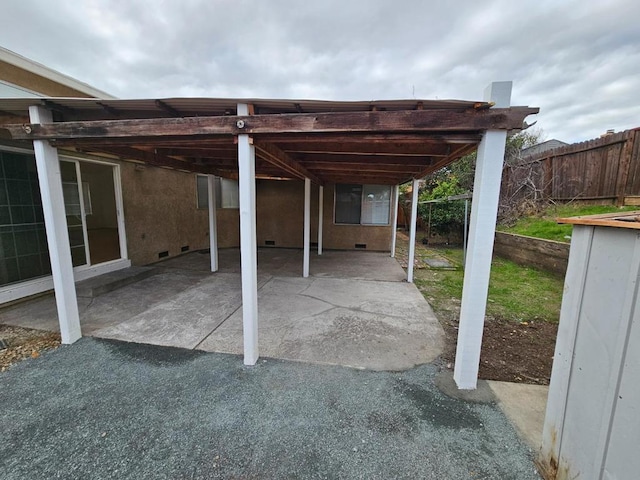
592, 424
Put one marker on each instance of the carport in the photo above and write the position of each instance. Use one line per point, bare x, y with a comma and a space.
380, 142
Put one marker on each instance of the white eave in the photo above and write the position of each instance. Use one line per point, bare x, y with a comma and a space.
38, 69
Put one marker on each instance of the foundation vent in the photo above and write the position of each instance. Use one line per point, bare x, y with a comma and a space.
185, 248
163, 254
361, 245
270, 242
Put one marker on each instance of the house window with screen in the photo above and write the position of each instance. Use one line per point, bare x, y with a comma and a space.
362, 204
226, 192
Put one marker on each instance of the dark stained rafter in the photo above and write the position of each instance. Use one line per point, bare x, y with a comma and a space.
393, 121
371, 144
277, 157
154, 158
381, 140
167, 108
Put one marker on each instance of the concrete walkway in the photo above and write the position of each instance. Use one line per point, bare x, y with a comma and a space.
105, 409
354, 310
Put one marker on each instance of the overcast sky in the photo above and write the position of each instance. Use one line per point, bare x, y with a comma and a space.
579, 61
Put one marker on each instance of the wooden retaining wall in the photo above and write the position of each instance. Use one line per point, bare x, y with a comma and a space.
547, 255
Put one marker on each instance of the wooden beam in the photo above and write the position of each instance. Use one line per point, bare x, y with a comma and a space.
167, 108
274, 155
395, 149
51, 105
435, 121
157, 160
312, 158
455, 155
108, 109
152, 142
320, 168
7, 118
362, 179
375, 139
208, 152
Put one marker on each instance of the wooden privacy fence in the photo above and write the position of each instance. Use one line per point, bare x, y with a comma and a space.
604, 169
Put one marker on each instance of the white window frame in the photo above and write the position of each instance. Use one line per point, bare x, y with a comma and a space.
16, 291
335, 193
219, 192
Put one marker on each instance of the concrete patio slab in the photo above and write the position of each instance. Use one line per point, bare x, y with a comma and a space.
186, 318
105, 409
357, 323
354, 310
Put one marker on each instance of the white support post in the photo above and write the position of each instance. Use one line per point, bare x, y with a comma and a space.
248, 246
320, 215
396, 192
412, 231
213, 223
307, 227
50, 180
484, 210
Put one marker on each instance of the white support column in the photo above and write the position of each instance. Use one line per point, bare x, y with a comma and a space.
307, 228
412, 231
484, 210
213, 223
248, 247
396, 191
55, 220
320, 215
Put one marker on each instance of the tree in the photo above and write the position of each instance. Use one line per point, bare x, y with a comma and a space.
457, 178
446, 216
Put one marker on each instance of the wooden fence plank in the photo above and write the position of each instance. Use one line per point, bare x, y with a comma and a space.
606, 167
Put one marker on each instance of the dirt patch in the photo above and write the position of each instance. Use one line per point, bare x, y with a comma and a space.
511, 352
17, 343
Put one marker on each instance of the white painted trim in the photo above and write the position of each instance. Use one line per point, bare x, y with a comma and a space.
38, 69
89, 271
213, 224
248, 245
484, 210
83, 213
396, 194
307, 228
117, 185
320, 217
412, 231
50, 179
117, 178
16, 291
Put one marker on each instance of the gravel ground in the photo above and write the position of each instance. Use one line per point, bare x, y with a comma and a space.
106, 409
17, 343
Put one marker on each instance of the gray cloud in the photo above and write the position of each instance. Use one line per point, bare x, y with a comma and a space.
578, 61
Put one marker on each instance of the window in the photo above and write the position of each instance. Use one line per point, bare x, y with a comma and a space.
226, 192
362, 204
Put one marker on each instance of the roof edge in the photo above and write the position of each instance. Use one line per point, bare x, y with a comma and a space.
39, 69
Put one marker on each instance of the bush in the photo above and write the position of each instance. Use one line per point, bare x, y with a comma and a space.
447, 217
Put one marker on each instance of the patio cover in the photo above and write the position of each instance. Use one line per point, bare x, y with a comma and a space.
375, 142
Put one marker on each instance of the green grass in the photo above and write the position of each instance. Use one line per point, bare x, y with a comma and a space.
516, 293
546, 226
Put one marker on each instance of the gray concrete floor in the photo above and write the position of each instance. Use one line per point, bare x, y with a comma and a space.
355, 309
105, 409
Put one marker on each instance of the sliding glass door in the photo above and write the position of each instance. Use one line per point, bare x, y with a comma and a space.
93, 223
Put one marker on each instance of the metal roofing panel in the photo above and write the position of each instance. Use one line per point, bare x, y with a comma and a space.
191, 106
